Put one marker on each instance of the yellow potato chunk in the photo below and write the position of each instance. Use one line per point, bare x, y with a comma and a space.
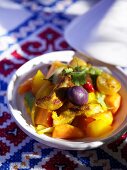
93, 108
106, 116
113, 101
43, 117
65, 117
50, 102
76, 61
67, 131
97, 128
37, 81
92, 97
45, 89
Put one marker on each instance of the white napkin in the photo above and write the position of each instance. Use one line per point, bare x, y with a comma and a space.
101, 32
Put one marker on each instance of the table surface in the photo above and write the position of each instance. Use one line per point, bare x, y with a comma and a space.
30, 28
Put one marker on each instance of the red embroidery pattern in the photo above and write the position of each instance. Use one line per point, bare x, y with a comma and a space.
59, 161
3, 149
13, 134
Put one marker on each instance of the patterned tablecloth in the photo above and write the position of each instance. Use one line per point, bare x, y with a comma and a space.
29, 28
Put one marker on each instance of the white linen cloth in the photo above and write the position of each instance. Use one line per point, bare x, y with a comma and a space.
101, 32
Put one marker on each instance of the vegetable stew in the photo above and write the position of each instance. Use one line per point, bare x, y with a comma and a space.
72, 101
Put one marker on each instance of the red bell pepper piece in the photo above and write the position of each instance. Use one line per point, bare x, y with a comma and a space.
89, 86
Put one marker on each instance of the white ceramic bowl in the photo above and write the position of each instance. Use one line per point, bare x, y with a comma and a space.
17, 109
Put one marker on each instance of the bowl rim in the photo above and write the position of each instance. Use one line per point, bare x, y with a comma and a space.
54, 142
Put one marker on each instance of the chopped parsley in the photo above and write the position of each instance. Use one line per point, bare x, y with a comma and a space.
78, 74
29, 99
100, 99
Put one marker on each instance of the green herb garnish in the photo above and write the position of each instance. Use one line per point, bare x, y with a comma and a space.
67, 71
78, 74
100, 99
29, 99
95, 71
